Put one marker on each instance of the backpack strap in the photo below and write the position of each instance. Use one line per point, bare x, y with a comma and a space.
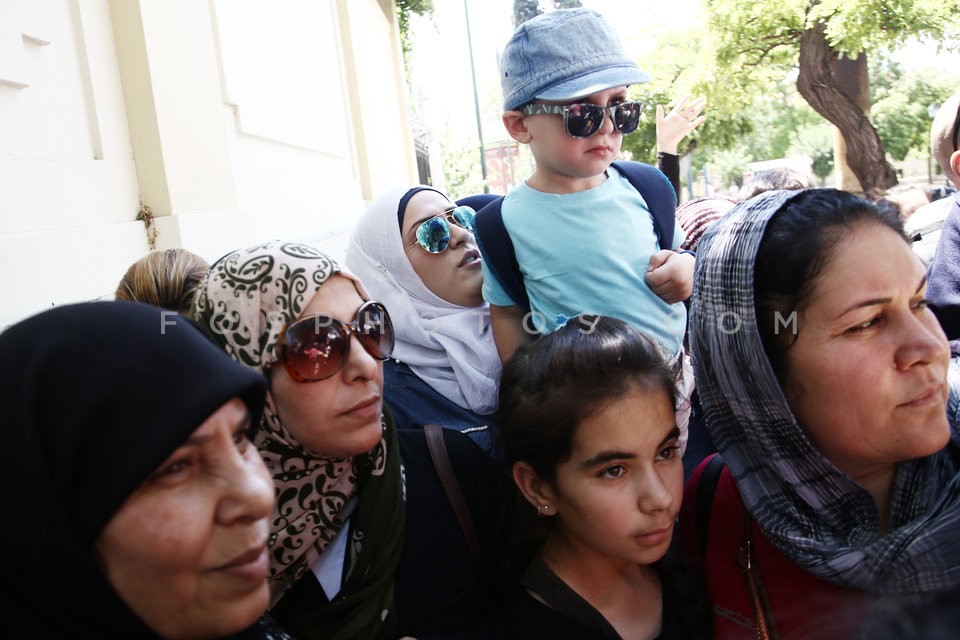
706, 490
657, 192
498, 253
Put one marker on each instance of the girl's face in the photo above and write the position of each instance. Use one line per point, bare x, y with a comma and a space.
616, 499
455, 273
187, 550
338, 417
866, 377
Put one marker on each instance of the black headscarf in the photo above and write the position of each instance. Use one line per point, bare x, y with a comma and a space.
97, 396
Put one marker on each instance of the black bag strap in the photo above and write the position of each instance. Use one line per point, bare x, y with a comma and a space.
709, 479
498, 251
451, 486
657, 192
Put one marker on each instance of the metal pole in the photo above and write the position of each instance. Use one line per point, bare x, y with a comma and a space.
476, 102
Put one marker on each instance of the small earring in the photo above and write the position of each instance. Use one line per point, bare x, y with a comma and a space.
542, 510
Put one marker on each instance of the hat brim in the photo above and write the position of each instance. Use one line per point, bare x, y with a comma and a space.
593, 83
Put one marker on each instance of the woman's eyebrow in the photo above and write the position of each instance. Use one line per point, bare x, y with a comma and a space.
606, 456
874, 301
417, 223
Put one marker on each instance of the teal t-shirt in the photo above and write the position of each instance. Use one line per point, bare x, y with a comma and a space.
587, 252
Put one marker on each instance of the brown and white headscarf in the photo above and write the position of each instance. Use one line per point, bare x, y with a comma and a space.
243, 302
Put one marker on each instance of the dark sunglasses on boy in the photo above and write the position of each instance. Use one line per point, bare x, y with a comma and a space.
316, 347
582, 120
433, 234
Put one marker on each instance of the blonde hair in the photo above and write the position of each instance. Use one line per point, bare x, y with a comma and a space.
166, 278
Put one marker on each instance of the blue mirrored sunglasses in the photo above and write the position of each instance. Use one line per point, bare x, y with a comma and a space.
433, 234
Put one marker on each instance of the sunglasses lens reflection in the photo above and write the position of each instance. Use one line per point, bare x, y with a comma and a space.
627, 117
583, 120
316, 348
434, 235
464, 216
375, 330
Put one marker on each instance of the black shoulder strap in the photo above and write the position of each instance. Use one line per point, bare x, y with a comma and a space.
451, 487
657, 192
709, 478
498, 253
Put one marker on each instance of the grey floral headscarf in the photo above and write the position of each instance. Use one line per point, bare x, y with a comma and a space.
812, 512
244, 301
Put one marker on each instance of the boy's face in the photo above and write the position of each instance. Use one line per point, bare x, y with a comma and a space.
565, 163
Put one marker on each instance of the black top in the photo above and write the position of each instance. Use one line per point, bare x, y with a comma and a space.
567, 616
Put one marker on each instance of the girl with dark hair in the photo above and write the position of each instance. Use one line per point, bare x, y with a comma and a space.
823, 378
589, 427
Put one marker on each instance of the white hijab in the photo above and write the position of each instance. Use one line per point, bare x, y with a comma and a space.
449, 347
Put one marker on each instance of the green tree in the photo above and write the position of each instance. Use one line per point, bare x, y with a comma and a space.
901, 105
460, 159
406, 8
816, 142
823, 40
523, 10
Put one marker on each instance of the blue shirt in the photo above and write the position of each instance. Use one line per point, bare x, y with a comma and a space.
587, 252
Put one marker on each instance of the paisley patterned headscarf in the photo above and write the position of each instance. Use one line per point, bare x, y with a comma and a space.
244, 301
811, 511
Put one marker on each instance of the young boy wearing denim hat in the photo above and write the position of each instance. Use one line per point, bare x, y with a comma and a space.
583, 236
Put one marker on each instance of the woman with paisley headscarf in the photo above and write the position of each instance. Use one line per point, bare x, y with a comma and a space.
414, 251
364, 543
824, 382
134, 504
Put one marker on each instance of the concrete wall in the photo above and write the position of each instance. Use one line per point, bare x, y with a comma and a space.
228, 122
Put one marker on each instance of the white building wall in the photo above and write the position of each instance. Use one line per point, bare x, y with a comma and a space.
231, 121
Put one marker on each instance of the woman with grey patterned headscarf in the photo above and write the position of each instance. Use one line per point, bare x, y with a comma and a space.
824, 383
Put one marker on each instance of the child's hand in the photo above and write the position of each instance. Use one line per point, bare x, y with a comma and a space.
682, 119
670, 275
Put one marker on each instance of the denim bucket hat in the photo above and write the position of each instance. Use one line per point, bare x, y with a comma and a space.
563, 55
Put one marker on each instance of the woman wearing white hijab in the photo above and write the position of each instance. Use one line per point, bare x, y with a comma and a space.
414, 251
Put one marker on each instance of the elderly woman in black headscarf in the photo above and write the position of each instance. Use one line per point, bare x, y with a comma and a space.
135, 505
824, 382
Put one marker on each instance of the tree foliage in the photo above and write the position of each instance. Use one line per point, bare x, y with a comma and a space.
461, 164
902, 103
524, 10
764, 38
406, 8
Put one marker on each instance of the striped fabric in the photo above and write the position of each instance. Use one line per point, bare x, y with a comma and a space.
812, 512
697, 215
